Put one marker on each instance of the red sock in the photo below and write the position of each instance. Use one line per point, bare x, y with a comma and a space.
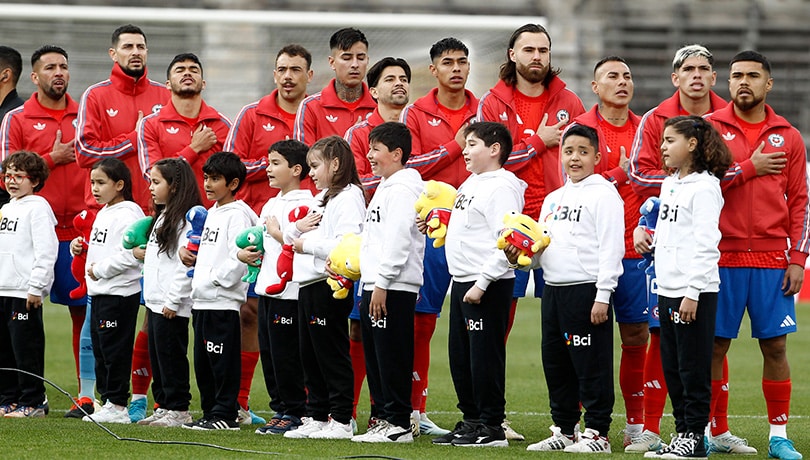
249, 360
423, 326
359, 370
655, 387
631, 381
719, 405
141, 368
512, 311
77, 316
777, 400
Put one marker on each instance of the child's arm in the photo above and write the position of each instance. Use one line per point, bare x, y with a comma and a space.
348, 210
609, 238
122, 259
228, 273
46, 247
180, 287
706, 206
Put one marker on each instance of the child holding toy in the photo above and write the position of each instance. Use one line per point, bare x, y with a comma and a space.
217, 292
28, 247
686, 258
391, 258
481, 293
323, 323
113, 284
167, 290
278, 313
581, 266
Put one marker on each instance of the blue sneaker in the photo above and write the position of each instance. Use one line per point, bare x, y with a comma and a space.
137, 410
779, 447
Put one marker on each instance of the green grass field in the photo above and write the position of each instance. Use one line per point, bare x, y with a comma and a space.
527, 407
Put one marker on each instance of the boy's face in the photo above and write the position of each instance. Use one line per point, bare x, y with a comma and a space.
279, 173
384, 162
18, 183
218, 189
579, 157
478, 157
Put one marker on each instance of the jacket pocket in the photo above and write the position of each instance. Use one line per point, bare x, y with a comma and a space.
10, 278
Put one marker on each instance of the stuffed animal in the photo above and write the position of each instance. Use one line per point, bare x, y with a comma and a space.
83, 222
137, 234
433, 206
648, 220
344, 260
284, 264
252, 236
196, 217
524, 233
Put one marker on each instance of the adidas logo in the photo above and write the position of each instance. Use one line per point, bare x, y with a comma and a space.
434, 122
172, 130
331, 118
780, 419
503, 116
39, 126
143, 372
112, 112
519, 120
787, 322
640, 394
729, 136
416, 377
268, 127
653, 384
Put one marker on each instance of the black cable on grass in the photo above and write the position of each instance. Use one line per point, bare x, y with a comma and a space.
145, 441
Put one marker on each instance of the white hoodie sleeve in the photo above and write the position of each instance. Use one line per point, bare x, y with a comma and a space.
495, 207
706, 207
347, 211
401, 217
609, 222
46, 247
121, 259
228, 273
180, 287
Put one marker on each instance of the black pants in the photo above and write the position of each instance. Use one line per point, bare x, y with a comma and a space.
168, 353
22, 346
686, 355
113, 322
324, 332
281, 355
388, 346
477, 349
577, 358
217, 361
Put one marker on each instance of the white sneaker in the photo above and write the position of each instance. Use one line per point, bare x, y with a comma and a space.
393, 433
309, 426
631, 431
590, 443
511, 434
665, 449
333, 430
368, 436
173, 418
109, 414
556, 442
727, 443
647, 441
427, 427
415, 426
157, 415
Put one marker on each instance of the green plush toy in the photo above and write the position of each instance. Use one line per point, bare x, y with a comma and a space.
252, 236
137, 234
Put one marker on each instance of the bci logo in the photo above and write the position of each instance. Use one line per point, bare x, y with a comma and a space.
282, 320
212, 347
317, 321
577, 340
106, 324
379, 323
473, 325
19, 316
9, 225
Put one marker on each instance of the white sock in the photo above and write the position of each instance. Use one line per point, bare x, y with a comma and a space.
86, 388
778, 430
137, 397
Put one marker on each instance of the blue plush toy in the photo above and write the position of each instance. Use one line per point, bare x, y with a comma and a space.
649, 217
196, 217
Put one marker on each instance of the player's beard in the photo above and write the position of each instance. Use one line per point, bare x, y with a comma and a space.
186, 92
55, 94
748, 104
134, 73
532, 76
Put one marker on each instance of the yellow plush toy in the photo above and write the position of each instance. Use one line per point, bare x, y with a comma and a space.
524, 233
433, 206
345, 261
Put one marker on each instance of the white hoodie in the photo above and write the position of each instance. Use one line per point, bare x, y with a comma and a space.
586, 222
28, 247
392, 248
165, 283
475, 223
217, 283
687, 235
117, 270
279, 207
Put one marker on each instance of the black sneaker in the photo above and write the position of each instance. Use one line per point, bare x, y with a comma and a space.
482, 436
213, 423
75, 411
690, 446
461, 429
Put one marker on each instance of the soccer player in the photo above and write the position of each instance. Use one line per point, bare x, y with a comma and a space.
755, 273
345, 100
10, 71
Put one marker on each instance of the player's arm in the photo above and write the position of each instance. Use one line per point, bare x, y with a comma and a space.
239, 141
431, 162
90, 146
149, 151
646, 172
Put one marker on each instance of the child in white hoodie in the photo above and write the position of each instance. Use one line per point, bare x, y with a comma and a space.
28, 248
113, 283
686, 257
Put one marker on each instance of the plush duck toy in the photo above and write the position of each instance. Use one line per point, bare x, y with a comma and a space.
524, 233
345, 261
433, 206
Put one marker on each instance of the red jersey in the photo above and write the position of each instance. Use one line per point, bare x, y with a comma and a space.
434, 150
530, 160
108, 112
258, 126
764, 213
32, 127
357, 137
166, 134
325, 114
609, 168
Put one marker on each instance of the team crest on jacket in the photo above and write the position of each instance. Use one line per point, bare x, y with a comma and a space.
776, 140
331, 118
112, 112
268, 127
156, 108
563, 115
729, 136
39, 126
172, 130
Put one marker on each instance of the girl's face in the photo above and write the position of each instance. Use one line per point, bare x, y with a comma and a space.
18, 183
676, 150
320, 170
104, 189
159, 187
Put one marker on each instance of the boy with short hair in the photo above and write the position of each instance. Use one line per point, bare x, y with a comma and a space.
581, 267
278, 313
28, 245
482, 286
218, 291
391, 256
